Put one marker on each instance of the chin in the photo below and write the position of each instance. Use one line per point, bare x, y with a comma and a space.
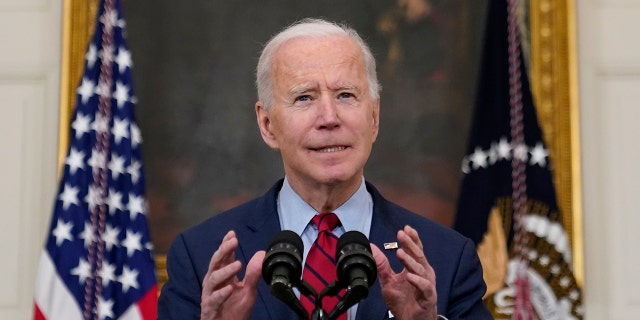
338, 179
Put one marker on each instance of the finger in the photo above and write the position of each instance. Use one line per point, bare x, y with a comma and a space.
411, 243
382, 264
221, 277
425, 288
417, 268
410, 263
423, 285
413, 234
222, 257
412, 253
225, 253
211, 304
254, 271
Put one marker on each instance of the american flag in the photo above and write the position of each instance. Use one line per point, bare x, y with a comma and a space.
97, 262
507, 203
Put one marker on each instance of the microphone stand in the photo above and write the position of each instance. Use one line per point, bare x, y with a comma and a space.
318, 313
354, 293
283, 290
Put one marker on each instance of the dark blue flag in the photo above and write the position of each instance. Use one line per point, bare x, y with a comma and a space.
97, 261
507, 204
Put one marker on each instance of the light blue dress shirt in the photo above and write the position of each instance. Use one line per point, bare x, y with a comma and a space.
295, 215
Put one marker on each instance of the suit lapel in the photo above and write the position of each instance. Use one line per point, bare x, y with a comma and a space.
262, 224
384, 229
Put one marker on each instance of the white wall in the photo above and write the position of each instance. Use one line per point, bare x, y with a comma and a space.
609, 75
30, 37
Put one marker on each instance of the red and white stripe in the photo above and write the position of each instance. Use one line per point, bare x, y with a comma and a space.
53, 300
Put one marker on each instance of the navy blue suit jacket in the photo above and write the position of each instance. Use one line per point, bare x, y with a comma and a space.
459, 282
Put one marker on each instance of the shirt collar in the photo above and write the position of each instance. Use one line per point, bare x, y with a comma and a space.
295, 213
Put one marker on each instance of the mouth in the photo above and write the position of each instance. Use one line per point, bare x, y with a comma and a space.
330, 149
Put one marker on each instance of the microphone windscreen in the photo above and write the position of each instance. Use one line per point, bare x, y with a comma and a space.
352, 237
282, 269
283, 258
287, 236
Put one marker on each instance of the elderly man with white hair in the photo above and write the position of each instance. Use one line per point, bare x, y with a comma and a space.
318, 105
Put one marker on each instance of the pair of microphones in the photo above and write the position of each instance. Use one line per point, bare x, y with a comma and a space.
355, 267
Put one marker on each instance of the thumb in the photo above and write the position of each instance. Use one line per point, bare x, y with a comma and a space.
254, 270
382, 264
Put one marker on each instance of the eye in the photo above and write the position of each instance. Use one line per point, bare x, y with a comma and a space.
303, 98
345, 95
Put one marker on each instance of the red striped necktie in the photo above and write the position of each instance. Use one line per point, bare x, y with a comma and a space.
320, 267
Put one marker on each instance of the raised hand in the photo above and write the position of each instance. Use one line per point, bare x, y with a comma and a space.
410, 294
224, 296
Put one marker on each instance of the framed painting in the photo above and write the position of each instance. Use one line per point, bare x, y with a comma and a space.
194, 81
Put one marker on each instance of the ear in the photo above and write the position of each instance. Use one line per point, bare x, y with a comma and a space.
376, 118
263, 116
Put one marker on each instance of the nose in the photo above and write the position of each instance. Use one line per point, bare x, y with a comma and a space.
328, 114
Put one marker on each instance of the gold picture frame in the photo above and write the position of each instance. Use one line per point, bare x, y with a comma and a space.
553, 79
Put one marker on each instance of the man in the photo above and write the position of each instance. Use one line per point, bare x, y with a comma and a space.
319, 106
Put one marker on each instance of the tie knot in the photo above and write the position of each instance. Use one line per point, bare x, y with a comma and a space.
326, 221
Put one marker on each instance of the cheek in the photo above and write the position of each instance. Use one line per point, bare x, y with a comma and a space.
286, 132
368, 126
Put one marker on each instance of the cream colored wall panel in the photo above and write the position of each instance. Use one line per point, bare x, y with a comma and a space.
13, 104
597, 239
612, 2
9, 5
618, 35
595, 222
609, 80
611, 186
25, 140
26, 39
620, 93
30, 34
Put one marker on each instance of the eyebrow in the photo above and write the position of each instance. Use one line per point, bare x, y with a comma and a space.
347, 87
304, 89
301, 90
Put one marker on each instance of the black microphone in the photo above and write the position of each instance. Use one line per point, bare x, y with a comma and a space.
356, 270
282, 269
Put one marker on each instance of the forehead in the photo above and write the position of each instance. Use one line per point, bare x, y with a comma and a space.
324, 54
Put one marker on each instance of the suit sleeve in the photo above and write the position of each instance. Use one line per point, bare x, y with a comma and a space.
468, 287
180, 296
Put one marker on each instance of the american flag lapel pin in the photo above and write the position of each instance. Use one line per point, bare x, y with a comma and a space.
390, 245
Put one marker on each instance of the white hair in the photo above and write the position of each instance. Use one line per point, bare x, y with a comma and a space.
310, 28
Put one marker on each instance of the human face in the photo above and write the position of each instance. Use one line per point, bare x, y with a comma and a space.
323, 119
